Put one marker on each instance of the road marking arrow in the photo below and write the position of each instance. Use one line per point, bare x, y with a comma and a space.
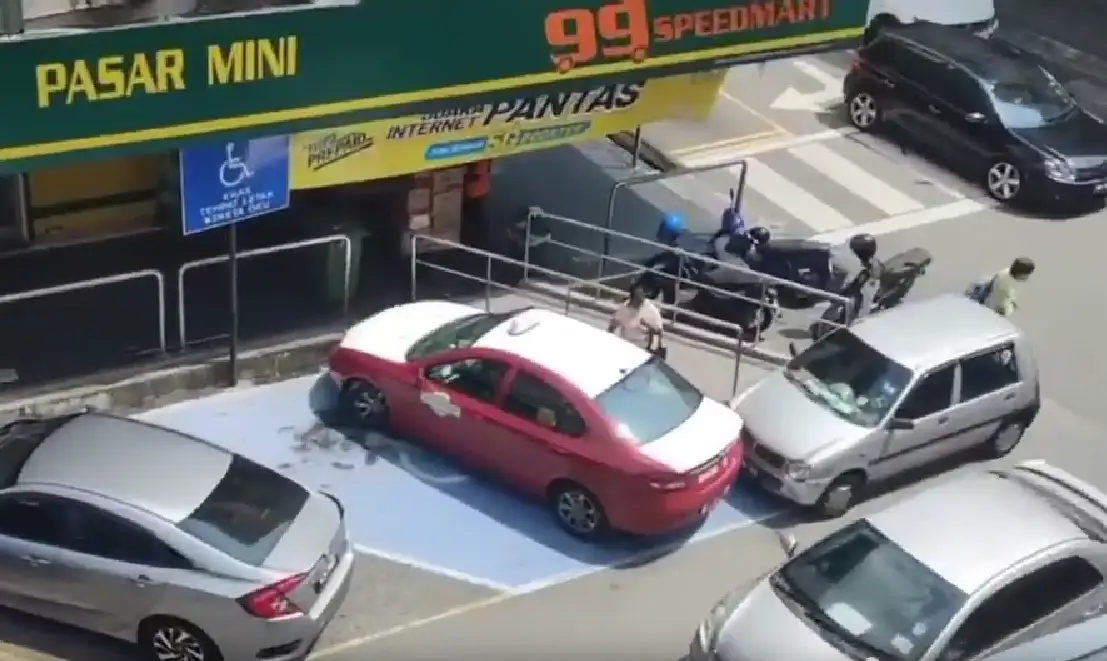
793, 99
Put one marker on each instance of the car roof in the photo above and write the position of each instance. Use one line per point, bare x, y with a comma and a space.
982, 523
126, 460
983, 58
1086, 641
922, 334
588, 357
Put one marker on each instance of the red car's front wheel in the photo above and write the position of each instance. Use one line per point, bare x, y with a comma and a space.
364, 404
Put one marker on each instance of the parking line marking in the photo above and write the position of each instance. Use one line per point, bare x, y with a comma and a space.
759, 115
746, 139
856, 179
430, 569
908, 220
360, 641
720, 156
794, 199
530, 588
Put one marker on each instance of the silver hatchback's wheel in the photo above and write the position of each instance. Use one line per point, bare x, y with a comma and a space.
864, 111
165, 639
1005, 440
1004, 181
842, 494
364, 403
578, 511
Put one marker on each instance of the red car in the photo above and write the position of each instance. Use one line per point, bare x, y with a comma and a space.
605, 433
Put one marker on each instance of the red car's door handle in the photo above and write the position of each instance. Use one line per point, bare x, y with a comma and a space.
561, 451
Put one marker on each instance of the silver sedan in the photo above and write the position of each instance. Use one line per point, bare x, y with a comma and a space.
147, 535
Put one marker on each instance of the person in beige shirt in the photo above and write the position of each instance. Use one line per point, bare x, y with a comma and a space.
638, 320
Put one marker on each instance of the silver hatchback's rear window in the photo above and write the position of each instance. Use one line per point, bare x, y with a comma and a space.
248, 511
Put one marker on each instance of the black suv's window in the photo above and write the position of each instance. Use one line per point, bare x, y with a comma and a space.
920, 69
1028, 97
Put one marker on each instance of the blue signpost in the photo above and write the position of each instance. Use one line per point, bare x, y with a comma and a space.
226, 183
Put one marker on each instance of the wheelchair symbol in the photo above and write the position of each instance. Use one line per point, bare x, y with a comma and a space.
233, 171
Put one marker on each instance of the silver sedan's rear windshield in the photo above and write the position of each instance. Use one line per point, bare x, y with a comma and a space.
650, 401
248, 511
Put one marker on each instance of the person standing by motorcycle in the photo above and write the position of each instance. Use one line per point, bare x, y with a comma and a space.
857, 278
999, 292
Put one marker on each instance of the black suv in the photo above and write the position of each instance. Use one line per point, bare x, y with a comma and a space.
989, 109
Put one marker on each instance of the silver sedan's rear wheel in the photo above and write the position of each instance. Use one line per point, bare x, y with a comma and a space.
170, 639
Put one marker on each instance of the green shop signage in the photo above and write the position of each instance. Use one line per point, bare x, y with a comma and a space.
283, 71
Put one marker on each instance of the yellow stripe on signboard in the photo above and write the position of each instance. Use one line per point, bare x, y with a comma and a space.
403, 145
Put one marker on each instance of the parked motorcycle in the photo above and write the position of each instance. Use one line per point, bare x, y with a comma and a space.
739, 294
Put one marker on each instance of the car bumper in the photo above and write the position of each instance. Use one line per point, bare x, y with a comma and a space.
294, 639
771, 479
698, 649
659, 514
1084, 191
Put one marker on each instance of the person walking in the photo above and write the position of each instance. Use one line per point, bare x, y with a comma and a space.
1000, 291
639, 321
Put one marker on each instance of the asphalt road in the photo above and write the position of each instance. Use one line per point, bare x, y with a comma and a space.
453, 571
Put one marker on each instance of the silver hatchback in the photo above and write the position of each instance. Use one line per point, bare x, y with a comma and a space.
897, 390
148, 535
965, 569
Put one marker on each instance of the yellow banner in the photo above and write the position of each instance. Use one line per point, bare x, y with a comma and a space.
403, 145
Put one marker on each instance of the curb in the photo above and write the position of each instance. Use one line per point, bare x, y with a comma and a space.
145, 390
647, 153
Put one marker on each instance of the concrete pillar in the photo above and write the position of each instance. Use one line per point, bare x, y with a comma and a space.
11, 16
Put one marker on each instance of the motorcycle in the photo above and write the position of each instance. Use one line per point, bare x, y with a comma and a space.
739, 294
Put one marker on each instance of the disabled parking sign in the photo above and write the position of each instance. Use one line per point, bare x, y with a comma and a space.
226, 183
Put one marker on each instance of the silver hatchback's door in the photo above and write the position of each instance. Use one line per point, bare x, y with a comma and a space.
990, 392
921, 425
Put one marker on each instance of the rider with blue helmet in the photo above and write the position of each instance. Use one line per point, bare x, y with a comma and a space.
671, 229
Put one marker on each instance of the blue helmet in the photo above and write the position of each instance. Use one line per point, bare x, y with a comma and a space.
673, 224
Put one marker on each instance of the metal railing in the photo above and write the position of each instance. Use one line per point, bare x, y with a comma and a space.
182, 321
592, 303
641, 180
764, 283
97, 282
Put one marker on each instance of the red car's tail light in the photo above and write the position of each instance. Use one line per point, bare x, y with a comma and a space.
668, 484
271, 601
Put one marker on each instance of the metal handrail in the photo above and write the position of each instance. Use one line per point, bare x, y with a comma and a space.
659, 247
654, 177
267, 250
491, 258
96, 282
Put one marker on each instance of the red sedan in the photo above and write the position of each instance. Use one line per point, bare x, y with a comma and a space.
606, 434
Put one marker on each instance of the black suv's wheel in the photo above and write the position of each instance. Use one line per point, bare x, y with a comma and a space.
1003, 181
864, 111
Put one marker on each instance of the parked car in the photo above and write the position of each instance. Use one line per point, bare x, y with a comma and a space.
983, 106
964, 569
897, 390
215, 559
607, 434
1086, 641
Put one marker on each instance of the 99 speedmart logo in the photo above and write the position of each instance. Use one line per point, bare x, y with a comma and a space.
625, 30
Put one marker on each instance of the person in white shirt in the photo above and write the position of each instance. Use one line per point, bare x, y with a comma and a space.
638, 320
